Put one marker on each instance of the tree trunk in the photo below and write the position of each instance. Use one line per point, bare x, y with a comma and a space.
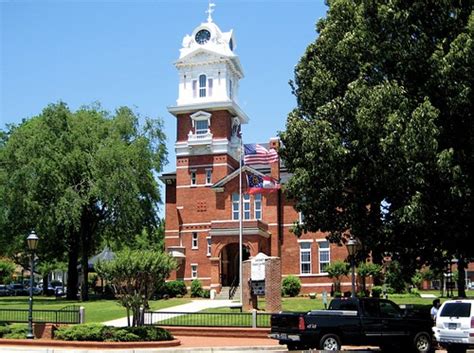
461, 277
45, 283
72, 274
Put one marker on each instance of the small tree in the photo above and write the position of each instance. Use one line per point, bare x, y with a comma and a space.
196, 288
367, 269
135, 275
336, 270
394, 277
7, 267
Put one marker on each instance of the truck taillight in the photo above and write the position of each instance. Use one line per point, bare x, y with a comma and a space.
301, 323
472, 321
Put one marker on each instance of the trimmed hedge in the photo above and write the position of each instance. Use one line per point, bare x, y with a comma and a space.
101, 333
13, 331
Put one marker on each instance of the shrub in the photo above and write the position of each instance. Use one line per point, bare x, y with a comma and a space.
83, 332
196, 288
206, 293
291, 286
4, 329
16, 331
100, 333
376, 291
175, 288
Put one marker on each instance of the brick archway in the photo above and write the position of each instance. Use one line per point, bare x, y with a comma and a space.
229, 263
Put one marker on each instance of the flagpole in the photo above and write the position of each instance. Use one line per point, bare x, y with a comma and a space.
240, 223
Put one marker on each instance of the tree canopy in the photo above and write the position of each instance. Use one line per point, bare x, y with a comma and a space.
79, 177
381, 141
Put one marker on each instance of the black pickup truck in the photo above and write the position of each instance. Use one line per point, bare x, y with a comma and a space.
354, 321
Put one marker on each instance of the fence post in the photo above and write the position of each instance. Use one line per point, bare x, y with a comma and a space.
82, 315
254, 318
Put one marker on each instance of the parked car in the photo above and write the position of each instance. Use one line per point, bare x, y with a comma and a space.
454, 327
56, 288
4, 290
18, 289
355, 321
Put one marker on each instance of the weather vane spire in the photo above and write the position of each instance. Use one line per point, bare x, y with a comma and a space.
210, 10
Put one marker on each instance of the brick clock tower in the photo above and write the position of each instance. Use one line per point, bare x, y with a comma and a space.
207, 149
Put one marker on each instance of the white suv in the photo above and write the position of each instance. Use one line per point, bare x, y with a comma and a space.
455, 325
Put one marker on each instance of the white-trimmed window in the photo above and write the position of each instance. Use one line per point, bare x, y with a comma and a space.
194, 271
208, 253
208, 176
257, 206
202, 85
324, 256
230, 89
246, 201
235, 206
300, 218
194, 241
201, 127
305, 257
193, 177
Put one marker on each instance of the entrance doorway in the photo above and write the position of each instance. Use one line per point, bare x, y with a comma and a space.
230, 268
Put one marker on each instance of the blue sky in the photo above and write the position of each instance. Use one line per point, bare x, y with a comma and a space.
122, 53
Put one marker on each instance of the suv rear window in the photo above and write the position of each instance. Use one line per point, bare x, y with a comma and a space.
456, 310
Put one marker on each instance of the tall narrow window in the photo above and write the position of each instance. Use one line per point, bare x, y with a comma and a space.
246, 201
230, 89
324, 256
208, 246
305, 258
194, 271
257, 206
194, 89
194, 244
235, 206
209, 86
208, 176
202, 127
193, 177
202, 85
184, 81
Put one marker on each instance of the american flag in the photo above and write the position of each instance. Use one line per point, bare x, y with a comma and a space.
257, 154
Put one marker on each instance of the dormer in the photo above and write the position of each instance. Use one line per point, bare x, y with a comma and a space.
200, 133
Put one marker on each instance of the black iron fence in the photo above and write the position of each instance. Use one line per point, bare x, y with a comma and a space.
67, 315
170, 318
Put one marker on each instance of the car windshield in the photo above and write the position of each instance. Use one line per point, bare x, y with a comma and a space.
456, 310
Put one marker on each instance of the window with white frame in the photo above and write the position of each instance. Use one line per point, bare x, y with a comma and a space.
257, 206
208, 176
305, 257
300, 218
194, 242
235, 206
193, 177
194, 271
230, 89
324, 256
202, 85
201, 127
246, 202
208, 253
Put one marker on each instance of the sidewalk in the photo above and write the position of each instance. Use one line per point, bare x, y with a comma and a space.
194, 306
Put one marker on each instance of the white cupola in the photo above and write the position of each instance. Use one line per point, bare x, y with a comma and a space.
208, 67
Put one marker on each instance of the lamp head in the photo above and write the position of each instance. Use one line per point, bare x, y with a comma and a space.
32, 241
351, 246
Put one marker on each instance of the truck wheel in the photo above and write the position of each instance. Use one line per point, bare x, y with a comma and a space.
422, 342
330, 342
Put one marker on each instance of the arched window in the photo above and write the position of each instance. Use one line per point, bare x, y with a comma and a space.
202, 85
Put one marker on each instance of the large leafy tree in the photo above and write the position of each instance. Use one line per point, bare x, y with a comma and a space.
381, 141
79, 177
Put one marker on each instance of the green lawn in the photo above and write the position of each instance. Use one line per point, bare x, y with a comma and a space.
96, 310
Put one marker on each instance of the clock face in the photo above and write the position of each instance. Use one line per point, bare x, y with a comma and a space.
203, 36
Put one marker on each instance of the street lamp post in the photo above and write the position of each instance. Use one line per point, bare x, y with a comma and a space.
32, 241
351, 249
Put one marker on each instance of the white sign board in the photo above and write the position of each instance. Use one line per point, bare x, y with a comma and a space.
257, 269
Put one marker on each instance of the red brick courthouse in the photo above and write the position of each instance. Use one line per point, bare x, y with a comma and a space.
202, 195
